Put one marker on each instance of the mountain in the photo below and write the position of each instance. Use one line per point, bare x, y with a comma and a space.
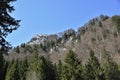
37, 39
101, 34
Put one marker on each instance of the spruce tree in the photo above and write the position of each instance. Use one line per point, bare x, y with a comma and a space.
72, 68
22, 69
7, 25
93, 70
45, 69
110, 67
7, 22
2, 62
59, 70
116, 22
11, 71
42, 67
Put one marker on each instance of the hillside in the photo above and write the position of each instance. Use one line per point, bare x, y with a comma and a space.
99, 34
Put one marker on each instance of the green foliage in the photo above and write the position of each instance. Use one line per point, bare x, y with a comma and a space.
3, 67
72, 69
43, 68
7, 22
11, 71
100, 24
52, 44
59, 40
68, 34
47, 45
92, 22
22, 45
7, 25
93, 70
1, 64
28, 48
17, 49
22, 69
98, 20
71, 33
71, 58
81, 31
17, 70
111, 69
103, 17
116, 21
43, 47
65, 36
59, 70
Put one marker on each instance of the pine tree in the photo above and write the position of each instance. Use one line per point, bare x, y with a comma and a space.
17, 49
93, 70
72, 69
7, 22
45, 69
59, 70
22, 69
6, 63
42, 67
116, 21
7, 25
65, 36
110, 67
11, 71
17, 70
1, 65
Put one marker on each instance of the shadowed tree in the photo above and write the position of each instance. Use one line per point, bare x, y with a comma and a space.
116, 21
72, 69
93, 70
7, 25
43, 67
11, 71
58, 70
111, 69
7, 22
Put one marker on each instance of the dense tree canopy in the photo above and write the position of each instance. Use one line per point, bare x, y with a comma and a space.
116, 21
41, 68
7, 25
7, 22
69, 69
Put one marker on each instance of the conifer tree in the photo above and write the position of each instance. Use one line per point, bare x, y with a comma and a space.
2, 62
43, 67
72, 69
7, 22
110, 67
7, 25
6, 63
11, 71
116, 21
21, 69
59, 70
93, 70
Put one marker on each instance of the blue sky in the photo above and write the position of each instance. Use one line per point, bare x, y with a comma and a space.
53, 16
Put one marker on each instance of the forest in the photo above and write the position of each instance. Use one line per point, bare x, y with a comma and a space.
38, 67
72, 68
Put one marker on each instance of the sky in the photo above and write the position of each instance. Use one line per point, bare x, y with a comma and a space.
54, 16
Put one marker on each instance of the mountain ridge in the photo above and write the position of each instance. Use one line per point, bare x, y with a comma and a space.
100, 34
